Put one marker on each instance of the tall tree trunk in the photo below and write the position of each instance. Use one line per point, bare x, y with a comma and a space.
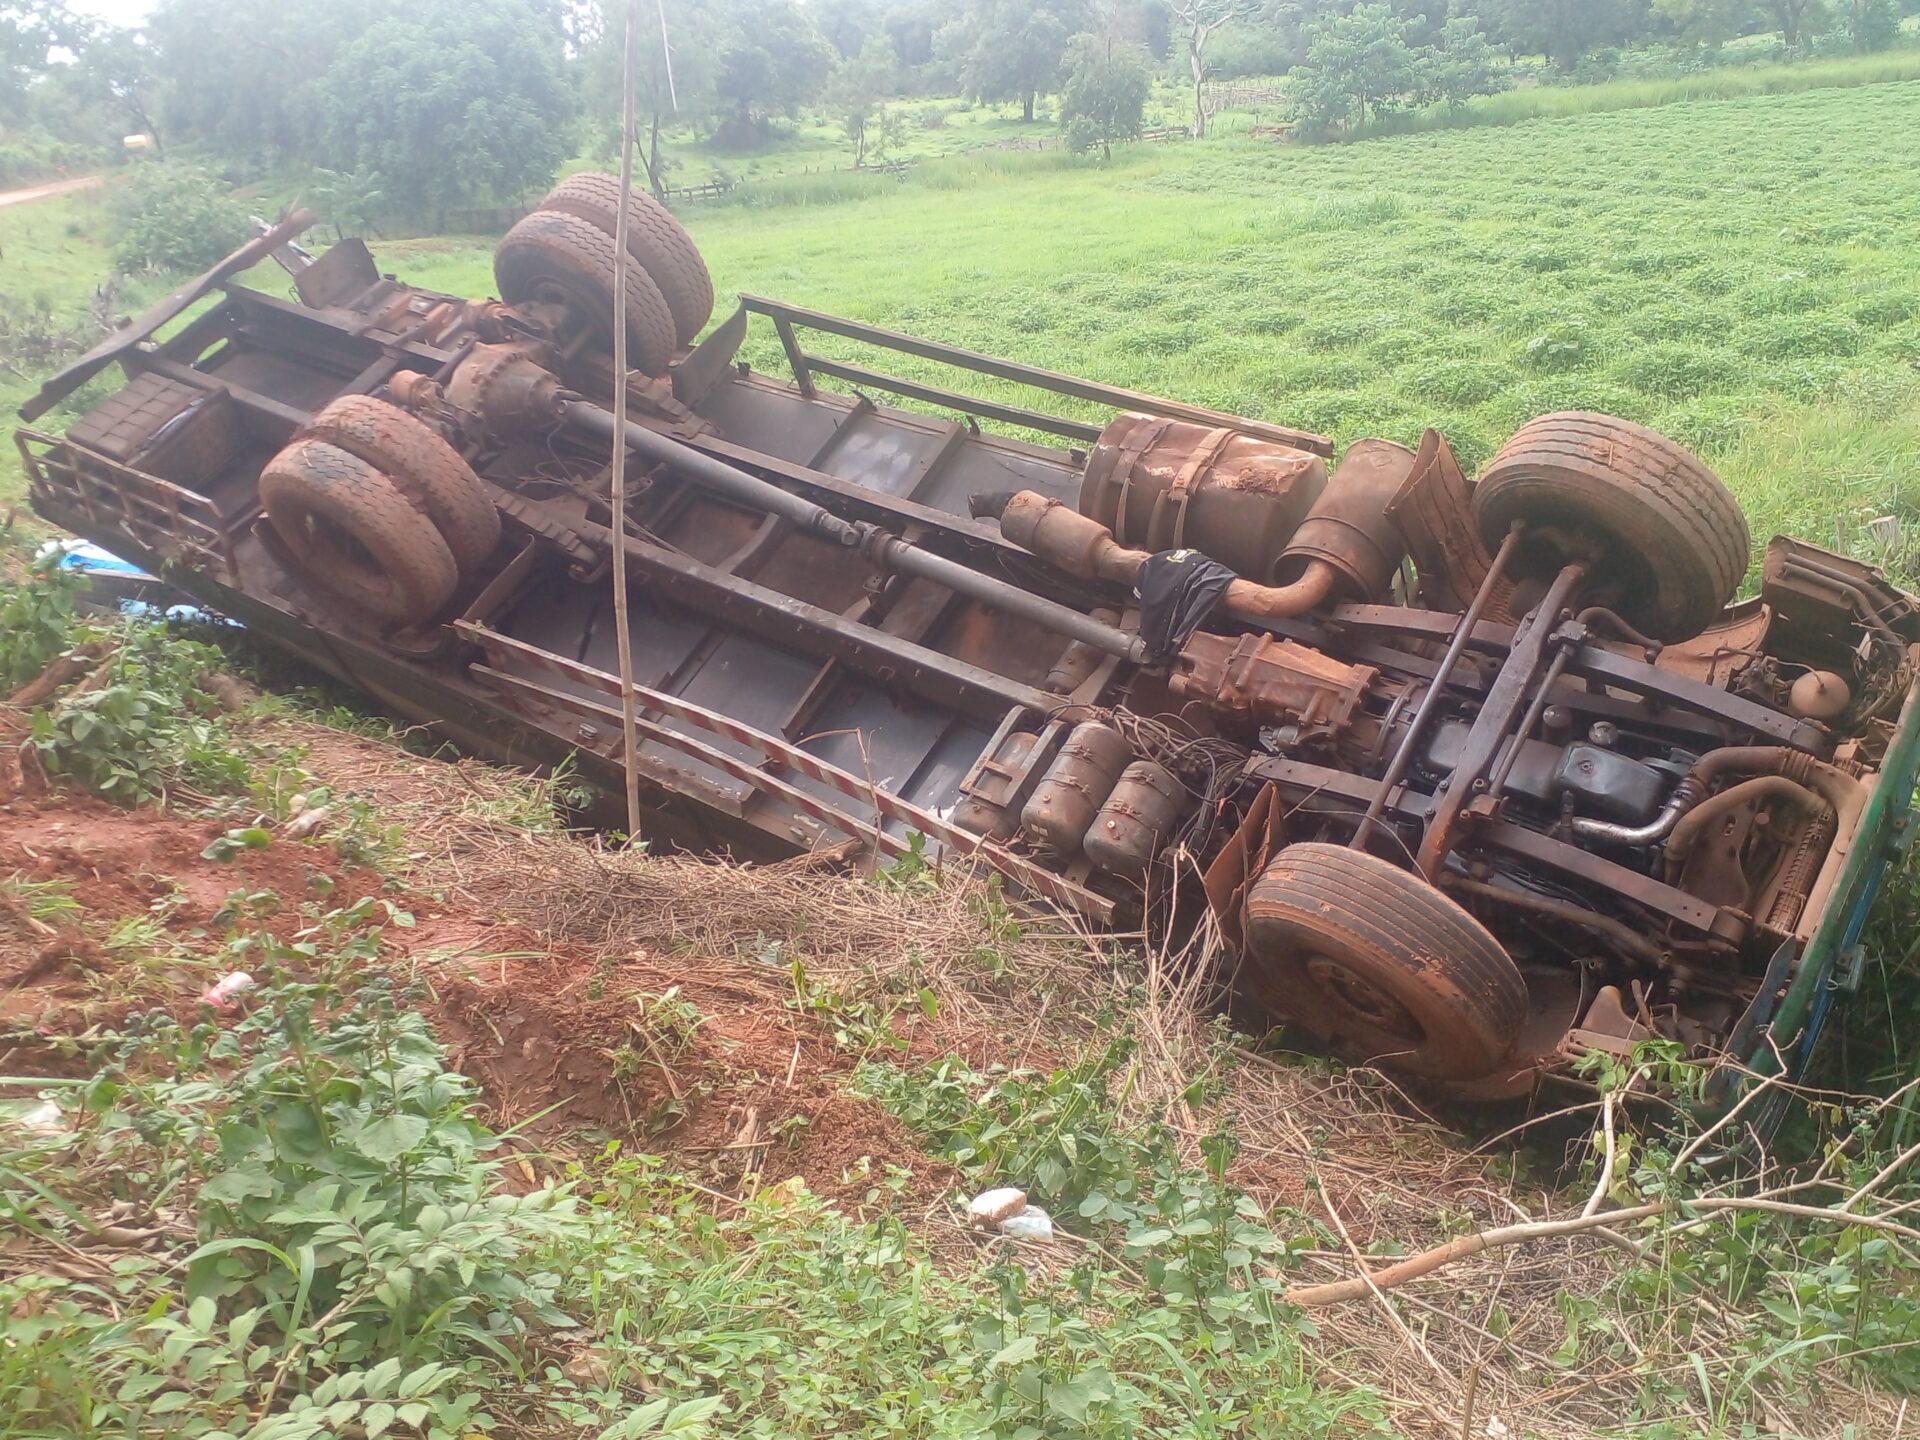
1196, 48
1788, 14
1026, 107
656, 182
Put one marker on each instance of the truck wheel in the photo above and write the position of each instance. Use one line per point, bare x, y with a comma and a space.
555, 258
355, 534
1378, 965
425, 468
1668, 541
655, 238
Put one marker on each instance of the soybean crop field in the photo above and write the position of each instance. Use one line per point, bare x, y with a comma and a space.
1742, 274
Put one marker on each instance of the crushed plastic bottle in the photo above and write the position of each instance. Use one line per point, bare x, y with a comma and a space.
222, 993
991, 1207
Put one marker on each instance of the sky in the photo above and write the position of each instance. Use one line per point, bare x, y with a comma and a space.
120, 12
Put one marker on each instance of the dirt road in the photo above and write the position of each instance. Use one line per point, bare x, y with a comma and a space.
46, 191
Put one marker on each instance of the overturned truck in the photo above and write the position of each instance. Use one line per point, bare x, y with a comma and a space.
1477, 778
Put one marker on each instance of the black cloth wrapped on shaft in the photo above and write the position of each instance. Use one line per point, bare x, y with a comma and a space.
1178, 590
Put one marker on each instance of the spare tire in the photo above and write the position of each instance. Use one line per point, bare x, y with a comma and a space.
425, 468
558, 258
352, 532
1378, 965
655, 238
1666, 540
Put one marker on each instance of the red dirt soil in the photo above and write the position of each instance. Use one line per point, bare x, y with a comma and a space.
557, 1034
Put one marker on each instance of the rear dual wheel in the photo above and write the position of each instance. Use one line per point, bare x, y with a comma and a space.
565, 252
655, 239
377, 509
553, 258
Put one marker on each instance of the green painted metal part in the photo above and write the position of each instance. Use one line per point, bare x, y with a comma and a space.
1833, 960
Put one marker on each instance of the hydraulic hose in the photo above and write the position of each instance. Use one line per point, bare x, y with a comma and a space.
1761, 787
1782, 772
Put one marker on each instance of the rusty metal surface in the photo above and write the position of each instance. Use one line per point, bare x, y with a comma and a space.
1158, 483
1258, 680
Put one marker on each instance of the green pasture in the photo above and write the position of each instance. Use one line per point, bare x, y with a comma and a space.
1743, 274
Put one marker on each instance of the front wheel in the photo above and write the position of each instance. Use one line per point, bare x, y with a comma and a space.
1665, 540
1378, 965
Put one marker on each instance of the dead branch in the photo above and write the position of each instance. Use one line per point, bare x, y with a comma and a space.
1428, 1261
60, 671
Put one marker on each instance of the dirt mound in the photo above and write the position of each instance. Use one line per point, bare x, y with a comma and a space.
693, 1055
700, 1058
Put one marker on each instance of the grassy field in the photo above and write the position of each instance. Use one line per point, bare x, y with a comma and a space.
1535, 101
1741, 274
928, 129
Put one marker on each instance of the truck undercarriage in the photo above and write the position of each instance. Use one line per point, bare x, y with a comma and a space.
1476, 778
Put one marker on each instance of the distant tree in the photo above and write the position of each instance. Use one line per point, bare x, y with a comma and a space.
1702, 22
1146, 23
1563, 30
1011, 49
456, 103
1799, 21
1357, 63
1197, 22
673, 80
30, 31
771, 61
855, 93
910, 27
114, 70
1104, 94
1458, 65
847, 25
255, 89
1870, 24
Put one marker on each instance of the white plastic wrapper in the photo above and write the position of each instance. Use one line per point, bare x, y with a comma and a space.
1032, 1223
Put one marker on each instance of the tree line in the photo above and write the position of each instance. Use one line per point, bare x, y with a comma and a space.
417, 106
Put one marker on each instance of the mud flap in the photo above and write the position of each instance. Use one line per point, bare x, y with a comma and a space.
1241, 859
1433, 510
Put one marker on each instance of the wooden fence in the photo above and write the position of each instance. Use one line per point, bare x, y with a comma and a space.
1241, 95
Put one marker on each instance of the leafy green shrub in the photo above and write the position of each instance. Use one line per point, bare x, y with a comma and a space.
1271, 320
1165, 339
1561, 346
1884, 309
1705, 425
353, 1270
36, 623
1454, 382
30, 155
1677, 320
174, 215
148, 729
